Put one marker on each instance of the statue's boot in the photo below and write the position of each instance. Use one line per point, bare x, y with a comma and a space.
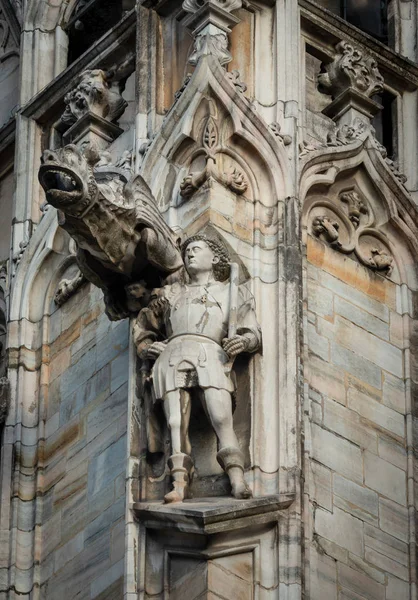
180, 466
231, 460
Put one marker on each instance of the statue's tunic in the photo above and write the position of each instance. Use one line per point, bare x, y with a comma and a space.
194, 319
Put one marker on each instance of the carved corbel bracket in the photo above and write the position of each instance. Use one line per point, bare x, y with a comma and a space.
210, 22
350, 79
94, 106
350, 69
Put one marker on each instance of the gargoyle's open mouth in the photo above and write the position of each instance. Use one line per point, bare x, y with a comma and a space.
62, 186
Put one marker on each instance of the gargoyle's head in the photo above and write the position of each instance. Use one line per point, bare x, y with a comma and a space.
66, 176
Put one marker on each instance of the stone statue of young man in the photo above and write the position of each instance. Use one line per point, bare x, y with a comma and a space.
184, 330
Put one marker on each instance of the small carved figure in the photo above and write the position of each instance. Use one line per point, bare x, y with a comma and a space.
193, 331
96, 94
381, 260
324, 225
68, 287
356, 206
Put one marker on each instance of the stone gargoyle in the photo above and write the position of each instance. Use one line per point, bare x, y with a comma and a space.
120, 234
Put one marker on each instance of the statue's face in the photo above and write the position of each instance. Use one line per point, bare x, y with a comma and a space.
199, 258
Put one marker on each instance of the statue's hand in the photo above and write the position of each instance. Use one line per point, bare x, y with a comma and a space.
235, 345
155, 350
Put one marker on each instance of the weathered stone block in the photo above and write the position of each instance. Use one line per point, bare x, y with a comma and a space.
337, 454
362, 318
327, 379
394, 393
385, 478
347, 423
360, 583
368, 346
321, 490
393, 452
387, 564
376, 413
323, 577
394, 518
320, 300
397, 589
341, 528
356, 365
385, 544
107, 466
359, 501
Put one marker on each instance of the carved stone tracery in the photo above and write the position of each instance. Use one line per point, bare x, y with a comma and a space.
349, 226
233, 178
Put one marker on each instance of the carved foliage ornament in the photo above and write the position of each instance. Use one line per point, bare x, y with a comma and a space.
349, 227
232, 179
351, 68
212, 41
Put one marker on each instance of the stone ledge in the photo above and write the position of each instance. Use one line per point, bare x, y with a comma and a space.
212, 515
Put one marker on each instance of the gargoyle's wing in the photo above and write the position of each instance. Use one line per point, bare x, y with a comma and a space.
164, 253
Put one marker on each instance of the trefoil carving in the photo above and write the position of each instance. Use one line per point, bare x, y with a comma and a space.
348, 226
233, 178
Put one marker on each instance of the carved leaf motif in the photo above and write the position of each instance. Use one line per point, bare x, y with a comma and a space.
210, 135
351, 68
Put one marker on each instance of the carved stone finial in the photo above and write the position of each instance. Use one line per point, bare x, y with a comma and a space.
351, 68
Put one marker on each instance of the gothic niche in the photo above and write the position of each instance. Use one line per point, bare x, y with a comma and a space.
211, 156
210, 148
349, 226
193, 317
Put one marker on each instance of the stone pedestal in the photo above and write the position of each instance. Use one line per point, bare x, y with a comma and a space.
211, 547
91, 128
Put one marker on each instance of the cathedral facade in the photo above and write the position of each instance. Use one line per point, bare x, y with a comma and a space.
208, 299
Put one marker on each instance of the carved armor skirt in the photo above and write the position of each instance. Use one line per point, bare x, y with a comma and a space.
191, 361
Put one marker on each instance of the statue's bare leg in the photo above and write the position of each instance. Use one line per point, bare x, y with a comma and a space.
186, 409
177, 412
218, 405
172, 411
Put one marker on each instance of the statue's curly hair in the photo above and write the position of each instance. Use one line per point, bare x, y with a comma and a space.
221, 269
